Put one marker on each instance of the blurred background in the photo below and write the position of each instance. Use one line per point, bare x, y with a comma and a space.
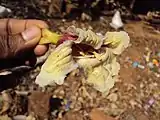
75, 8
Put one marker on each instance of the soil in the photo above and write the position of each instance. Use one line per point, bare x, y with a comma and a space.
129, 99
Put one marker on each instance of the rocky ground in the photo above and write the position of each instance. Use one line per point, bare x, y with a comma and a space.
135, 96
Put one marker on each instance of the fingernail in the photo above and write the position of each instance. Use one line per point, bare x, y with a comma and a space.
30, 33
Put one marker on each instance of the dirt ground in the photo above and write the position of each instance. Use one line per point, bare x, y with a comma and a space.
135, 96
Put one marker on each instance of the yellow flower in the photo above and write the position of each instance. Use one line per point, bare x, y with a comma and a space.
49, 37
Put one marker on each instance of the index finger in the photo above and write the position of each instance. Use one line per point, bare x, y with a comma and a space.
38, 23
16, 26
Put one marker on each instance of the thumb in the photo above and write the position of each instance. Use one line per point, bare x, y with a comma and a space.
31, 37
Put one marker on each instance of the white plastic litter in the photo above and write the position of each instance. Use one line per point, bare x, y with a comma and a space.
116, 21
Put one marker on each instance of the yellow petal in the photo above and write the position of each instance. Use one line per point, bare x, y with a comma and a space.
44, 41
100, 71
101, 79
59, 63
113, 66
49, 37
86, 37
117, 41
86, 62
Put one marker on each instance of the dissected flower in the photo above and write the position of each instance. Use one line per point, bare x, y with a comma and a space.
103, 76
117, 41
86, 37
95, 54
57, 66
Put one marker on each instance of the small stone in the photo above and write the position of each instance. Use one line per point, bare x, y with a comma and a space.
142, 117
133, 103
72, 105
157, 75
125, 66
113, 97
56, 91
73, 22
127, 59
139, 77
155, 84
147, 49
60, 115
80, 99
60, 97
63, 20
156, 95
19, 117
54, 96
62, 93
5, 117
158, 54
113, 106
39, 104
76, 94
73, 98
99, 115
72, 116
94, 94
130, 117
78, 106
150, 65
141, 85
54, 113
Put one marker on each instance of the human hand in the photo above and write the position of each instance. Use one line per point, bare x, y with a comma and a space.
19, 42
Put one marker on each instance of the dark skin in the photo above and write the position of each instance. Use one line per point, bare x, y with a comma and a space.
19, 42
